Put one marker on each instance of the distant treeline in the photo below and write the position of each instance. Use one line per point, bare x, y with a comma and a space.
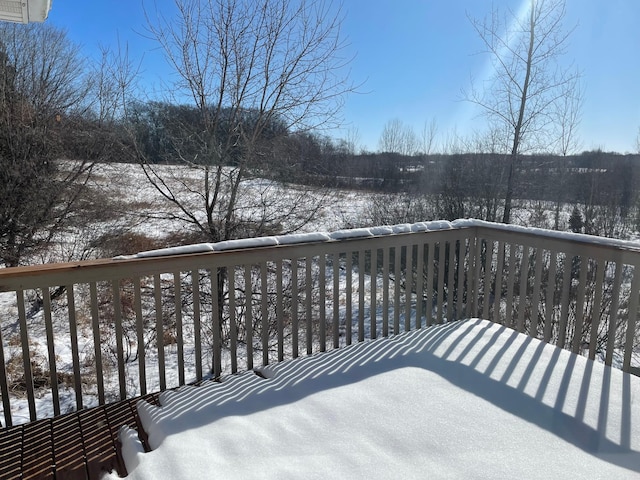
592, 177
165, 133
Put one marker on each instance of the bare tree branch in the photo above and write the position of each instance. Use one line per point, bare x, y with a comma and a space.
396, 137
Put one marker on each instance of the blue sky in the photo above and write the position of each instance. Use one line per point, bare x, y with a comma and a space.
416, 56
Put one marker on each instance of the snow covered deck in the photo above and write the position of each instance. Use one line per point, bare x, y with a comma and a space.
468, 399
92, 333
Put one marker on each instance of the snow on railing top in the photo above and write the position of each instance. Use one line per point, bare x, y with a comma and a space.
579, 237
313, 237
318, 237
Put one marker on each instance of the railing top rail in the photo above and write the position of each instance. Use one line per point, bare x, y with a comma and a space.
234, 252
551, 235
247, 251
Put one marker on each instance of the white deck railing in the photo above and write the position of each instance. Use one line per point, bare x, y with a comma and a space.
104, 330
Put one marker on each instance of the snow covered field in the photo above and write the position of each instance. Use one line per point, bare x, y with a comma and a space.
135, 206
145, 211
468, 399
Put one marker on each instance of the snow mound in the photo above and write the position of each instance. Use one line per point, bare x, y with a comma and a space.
131, 447
382, 230
439, 225
181, 250
245, 243
264, 372
402, 228
351, 233
303, 238
420, 227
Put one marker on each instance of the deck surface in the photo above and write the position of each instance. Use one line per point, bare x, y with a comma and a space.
80, 445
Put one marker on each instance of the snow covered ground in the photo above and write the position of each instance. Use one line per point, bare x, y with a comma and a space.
468, 399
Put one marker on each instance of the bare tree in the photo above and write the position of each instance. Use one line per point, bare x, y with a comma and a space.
470, 179
567, 112
398, 208
396, 137
452, 142
428, 136
42, 93
113, 78
247, 77
520, 97
253, 72
352, 140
